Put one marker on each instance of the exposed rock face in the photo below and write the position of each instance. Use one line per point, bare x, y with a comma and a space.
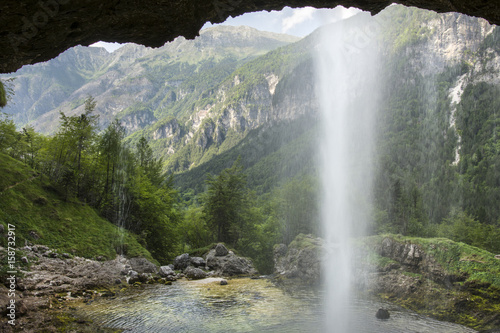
35, 31
301, 259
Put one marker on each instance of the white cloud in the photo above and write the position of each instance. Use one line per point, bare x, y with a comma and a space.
110, 47
298, 16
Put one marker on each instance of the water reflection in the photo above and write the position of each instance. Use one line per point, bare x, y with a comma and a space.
244, 305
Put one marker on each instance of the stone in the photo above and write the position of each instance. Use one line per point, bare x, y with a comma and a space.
34, 235
223, 282
497, 256
221, 250
300, 260
198, 262
194, 273
142, 265
229, 265
182, 261
383, 314
166, 271
132, 277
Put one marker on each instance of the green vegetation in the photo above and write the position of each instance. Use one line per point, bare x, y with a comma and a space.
40, 215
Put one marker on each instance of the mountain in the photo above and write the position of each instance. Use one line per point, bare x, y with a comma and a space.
133, 80
238, 91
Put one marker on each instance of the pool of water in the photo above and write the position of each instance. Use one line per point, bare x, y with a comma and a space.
244, 305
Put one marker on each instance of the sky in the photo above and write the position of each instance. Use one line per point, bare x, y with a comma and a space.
293, 21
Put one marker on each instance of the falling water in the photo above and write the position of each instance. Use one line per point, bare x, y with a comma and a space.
346, 71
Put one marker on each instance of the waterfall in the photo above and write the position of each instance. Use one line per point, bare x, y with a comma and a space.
346, 78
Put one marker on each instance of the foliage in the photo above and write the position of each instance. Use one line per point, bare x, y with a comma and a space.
41, 215
225, 204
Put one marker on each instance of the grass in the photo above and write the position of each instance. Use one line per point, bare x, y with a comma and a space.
41, 216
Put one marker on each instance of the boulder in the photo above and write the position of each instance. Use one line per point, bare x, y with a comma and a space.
301, 259
382, 314
166, 271
194, 273
230, 264
221, 250
133, 277
198, 262
142, 265
181, 262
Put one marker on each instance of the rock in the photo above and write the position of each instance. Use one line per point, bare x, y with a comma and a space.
497, 256
198, 262
132, 277
229, 264
195, 273
34, 235
118, 281
301, 259
142, 265
146, 277
382, 314
166, 271
40, 248
223, 282
181, 262
221, 250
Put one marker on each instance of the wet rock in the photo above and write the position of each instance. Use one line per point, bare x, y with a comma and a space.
198, 262
383, 314
221, 250
223, 282
142, 265
181, 262
195, 273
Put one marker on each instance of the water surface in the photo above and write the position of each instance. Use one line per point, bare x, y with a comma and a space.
244, 305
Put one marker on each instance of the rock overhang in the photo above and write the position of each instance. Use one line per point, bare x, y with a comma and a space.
34, 31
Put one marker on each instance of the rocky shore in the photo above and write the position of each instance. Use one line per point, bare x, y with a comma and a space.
54, 280
439, 278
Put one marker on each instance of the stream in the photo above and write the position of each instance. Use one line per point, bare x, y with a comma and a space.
244, 305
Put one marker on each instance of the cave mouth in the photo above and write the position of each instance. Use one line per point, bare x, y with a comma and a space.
34, 31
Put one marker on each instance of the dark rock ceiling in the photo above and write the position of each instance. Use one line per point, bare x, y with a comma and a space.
32, 31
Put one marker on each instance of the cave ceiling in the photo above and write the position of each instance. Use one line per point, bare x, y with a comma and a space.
33, 31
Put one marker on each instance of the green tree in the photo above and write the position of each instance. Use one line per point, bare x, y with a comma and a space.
225, 203
151, 166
